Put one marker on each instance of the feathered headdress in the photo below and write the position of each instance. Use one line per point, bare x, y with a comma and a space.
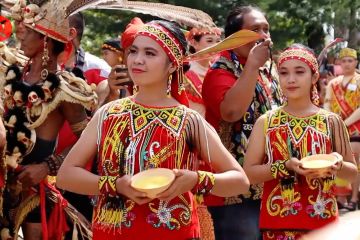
45, 16
182, 15
50, 16
233, 41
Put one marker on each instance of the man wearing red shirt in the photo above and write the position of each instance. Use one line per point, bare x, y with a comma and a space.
238, 89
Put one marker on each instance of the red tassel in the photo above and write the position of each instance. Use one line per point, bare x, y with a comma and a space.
43, 211
57, 225
68, 50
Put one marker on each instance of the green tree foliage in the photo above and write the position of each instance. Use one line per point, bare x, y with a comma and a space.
304, 21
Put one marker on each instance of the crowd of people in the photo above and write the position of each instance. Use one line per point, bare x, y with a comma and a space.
233, 128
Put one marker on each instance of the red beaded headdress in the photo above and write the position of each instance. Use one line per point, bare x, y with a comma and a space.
202, 31
174, 51
299, 54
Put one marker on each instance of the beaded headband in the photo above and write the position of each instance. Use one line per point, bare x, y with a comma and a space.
202, 31
299, 54
107, 46
165, 39
348, 52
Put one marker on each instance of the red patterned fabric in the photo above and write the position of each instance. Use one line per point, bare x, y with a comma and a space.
134, 138
282, 235
193, 87
305, 204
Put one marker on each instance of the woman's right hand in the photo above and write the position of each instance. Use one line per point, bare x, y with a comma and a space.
123, 187
118, 78
295, 165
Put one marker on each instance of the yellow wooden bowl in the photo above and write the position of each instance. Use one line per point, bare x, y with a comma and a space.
153, 181
321, 162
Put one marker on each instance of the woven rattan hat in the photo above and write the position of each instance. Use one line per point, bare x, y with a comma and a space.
47, 17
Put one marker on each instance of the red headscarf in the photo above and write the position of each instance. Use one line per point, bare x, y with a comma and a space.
128, 36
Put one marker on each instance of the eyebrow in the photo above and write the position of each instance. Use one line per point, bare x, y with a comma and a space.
297, 68
146, 48
150, 49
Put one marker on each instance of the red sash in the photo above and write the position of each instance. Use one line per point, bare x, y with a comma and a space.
345, 108
195, 88
194, 81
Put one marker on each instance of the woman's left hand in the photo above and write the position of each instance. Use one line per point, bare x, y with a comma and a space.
333, 170
185, 180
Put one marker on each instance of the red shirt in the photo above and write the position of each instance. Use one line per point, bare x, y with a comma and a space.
216, 83
222, 76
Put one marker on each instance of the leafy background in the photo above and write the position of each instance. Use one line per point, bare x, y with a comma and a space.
304, 21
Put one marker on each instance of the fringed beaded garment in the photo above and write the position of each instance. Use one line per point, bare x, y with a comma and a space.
133, 138
345, 100
294, 203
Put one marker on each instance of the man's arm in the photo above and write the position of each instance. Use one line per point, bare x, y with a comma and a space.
238, 98
76, 116
328, 96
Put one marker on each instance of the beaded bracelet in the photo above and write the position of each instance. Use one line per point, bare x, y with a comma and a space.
278, 169
107, 185
206, 182
54, 162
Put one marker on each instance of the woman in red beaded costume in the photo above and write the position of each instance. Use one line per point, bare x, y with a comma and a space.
199, 38
297, 200
152, 129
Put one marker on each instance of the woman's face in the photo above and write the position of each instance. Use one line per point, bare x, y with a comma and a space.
348, 65
111, 57
206, 40
296, 79
148, 63
32, 42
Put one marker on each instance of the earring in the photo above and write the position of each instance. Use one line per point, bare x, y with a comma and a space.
135, 89
45, 58
284, 100
168, 90
315, 95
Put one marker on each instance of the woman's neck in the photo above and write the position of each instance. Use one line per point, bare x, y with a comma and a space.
349, 74
154, 96
301, 107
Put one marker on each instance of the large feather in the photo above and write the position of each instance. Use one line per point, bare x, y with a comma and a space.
323, 52
233, 41
182, 15
5, 7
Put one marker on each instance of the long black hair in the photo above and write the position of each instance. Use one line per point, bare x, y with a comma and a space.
235, 19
